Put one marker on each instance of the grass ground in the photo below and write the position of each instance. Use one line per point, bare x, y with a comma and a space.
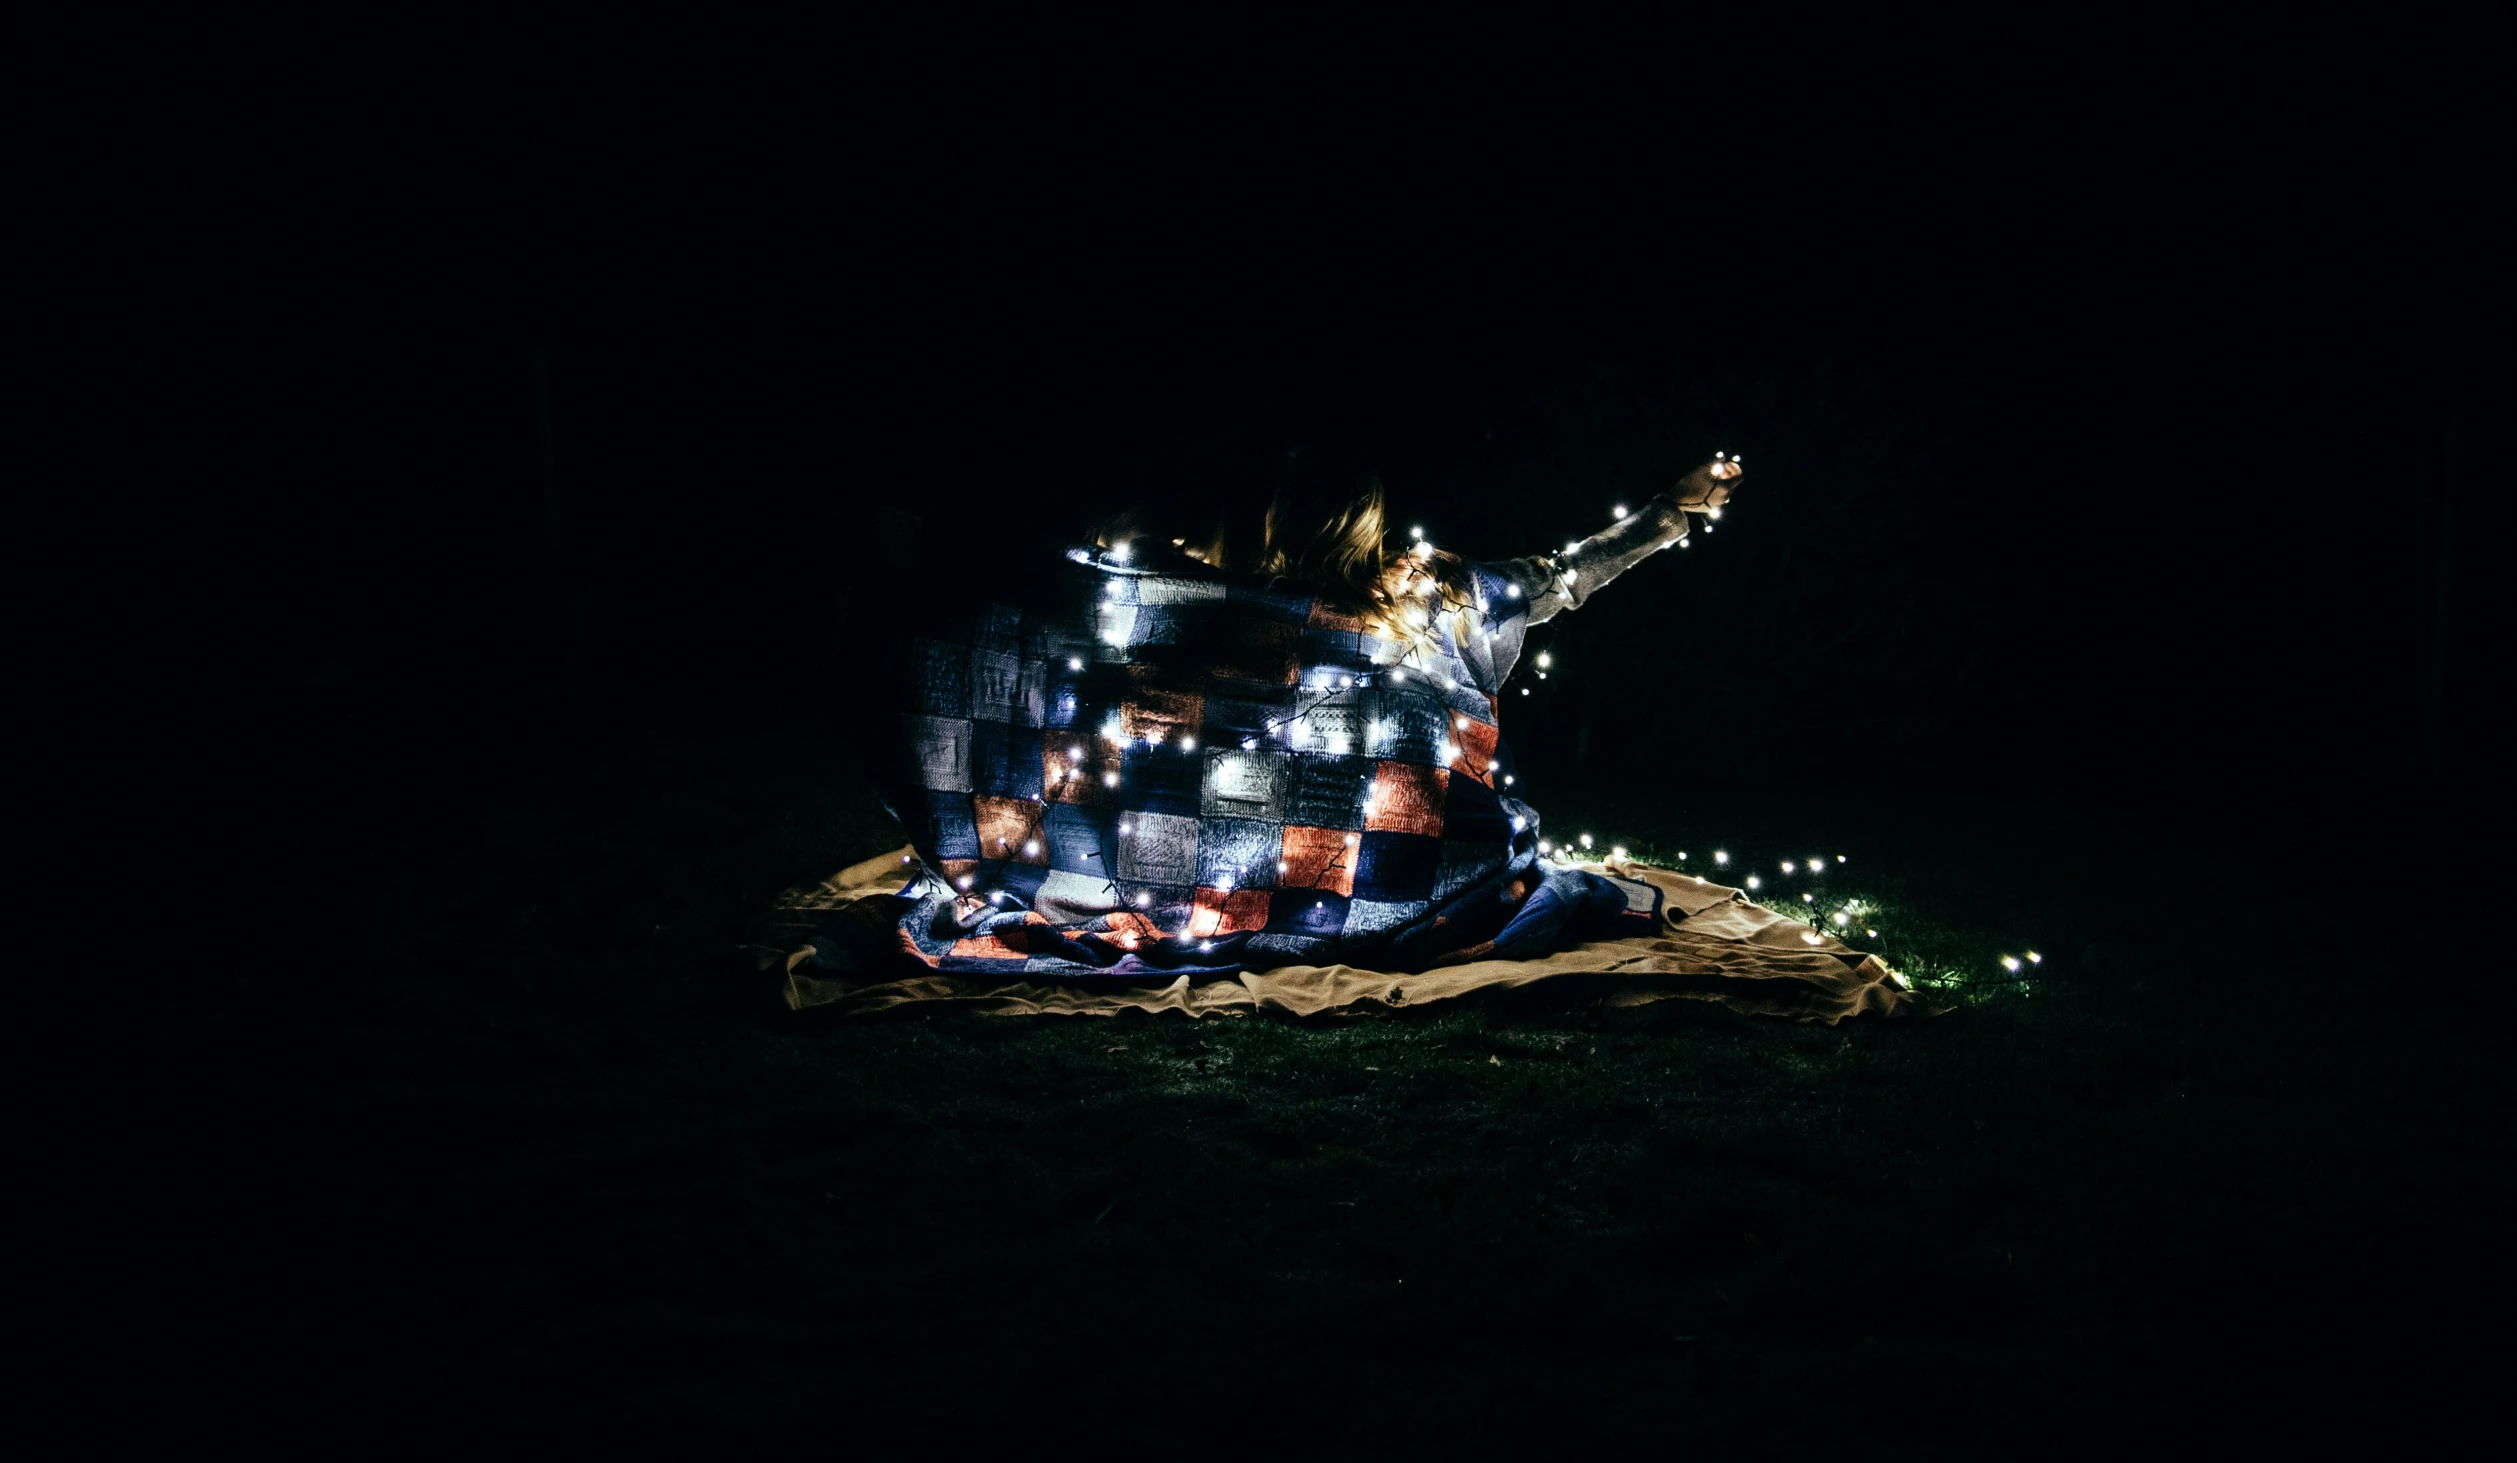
579, 1174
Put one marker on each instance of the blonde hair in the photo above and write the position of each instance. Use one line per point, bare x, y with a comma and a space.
1342, 552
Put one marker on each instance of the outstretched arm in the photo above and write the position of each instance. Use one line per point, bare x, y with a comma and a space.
1554, 583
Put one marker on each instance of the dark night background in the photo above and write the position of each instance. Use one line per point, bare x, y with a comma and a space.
2168, 546
2119, 534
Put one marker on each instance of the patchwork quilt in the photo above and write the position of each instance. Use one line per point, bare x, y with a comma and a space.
1173, 770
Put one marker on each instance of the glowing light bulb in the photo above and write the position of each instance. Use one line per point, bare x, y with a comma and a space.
1344, 681
1350, 840
1397, 675
1206, 944
1618, 852
1283, 867
1143, 899
904, 858
1685, 544
1519, 822
2010, 962
1511, 591
1525, 690
1459, 721
1720, 857
1874, 934
1842, 918
1031, 848
1223, 885
1121, 551
1812, 936
1713, 513
1424, 550
1807, 899
1752, 881
1109, 779
2035, 959
1545, 847
1545, 660
1717, 457
1507, 779
1188, 744
996, 896
1817, 866
1074, 662
1415, 533
1126, 828
1621, 510
1075, 753
1249, 744
1573, 548
1586, 840
962, 882
1787, 866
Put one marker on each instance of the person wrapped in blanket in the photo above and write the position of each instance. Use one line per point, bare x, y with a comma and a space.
1275, 744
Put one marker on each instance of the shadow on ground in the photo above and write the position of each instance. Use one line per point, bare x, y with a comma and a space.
578, 1174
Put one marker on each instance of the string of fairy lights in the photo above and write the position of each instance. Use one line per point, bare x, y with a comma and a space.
1417, 583
1421, 597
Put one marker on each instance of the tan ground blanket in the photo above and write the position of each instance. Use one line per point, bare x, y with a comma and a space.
1715, 946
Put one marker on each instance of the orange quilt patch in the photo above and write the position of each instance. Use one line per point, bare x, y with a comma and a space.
1476, 743
1083, 780
1406, 798
1219, 913
1162, 712
1009, 828
1319, 858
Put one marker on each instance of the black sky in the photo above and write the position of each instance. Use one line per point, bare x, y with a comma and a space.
2176, 442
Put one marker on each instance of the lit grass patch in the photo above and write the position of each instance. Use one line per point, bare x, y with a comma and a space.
1918, 936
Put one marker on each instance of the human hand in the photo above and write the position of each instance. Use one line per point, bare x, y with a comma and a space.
1707, 488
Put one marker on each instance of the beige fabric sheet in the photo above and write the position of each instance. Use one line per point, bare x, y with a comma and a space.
1715, 946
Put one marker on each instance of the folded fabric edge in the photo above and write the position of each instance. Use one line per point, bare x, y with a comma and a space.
1304, 991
